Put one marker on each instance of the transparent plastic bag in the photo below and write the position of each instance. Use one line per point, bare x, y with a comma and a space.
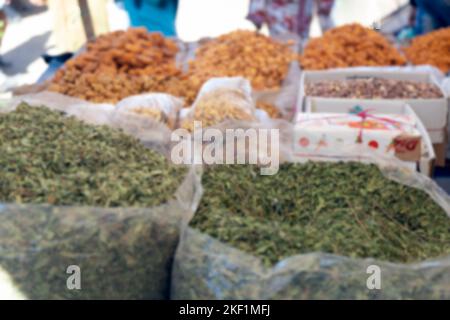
446, 86
120, 253
8, 290
219, 100
161, 108
222, 272
152, 134
205, 268
281, 103
91, 113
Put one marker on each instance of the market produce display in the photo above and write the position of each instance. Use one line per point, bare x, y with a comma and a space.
432, 48
348, 209
88, 196
262, 60
373, 88
350, 46
101, 199
127, 63
121, 64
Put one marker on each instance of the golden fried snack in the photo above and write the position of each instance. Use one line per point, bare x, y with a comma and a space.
121, 64
248, 54
106, 88
351, 45
432, 48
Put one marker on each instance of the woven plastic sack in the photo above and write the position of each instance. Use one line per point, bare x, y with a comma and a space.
79, 252
205, 268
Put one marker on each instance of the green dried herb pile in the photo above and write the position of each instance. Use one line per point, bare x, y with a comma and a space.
106, 215
48, 158
348, 209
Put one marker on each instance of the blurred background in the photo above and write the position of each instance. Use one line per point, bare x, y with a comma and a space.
38, 27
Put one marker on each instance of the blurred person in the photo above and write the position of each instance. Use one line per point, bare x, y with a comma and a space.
3, 24
155, 15
290, 16
4, 18
38, 2
27, 6
430, 15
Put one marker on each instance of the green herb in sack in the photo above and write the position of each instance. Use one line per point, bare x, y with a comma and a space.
348, 209
83, 172
48, 158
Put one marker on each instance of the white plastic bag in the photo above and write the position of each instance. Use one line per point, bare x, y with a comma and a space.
219, 100
162, 108
285, 98
91, 113
9, 291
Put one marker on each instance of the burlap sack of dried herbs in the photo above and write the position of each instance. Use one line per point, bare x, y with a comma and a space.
318, 229
87, 212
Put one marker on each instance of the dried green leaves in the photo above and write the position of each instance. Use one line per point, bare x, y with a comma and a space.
48, 158
123, 252
349, 209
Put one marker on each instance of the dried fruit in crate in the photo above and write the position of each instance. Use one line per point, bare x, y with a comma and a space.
373, 88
